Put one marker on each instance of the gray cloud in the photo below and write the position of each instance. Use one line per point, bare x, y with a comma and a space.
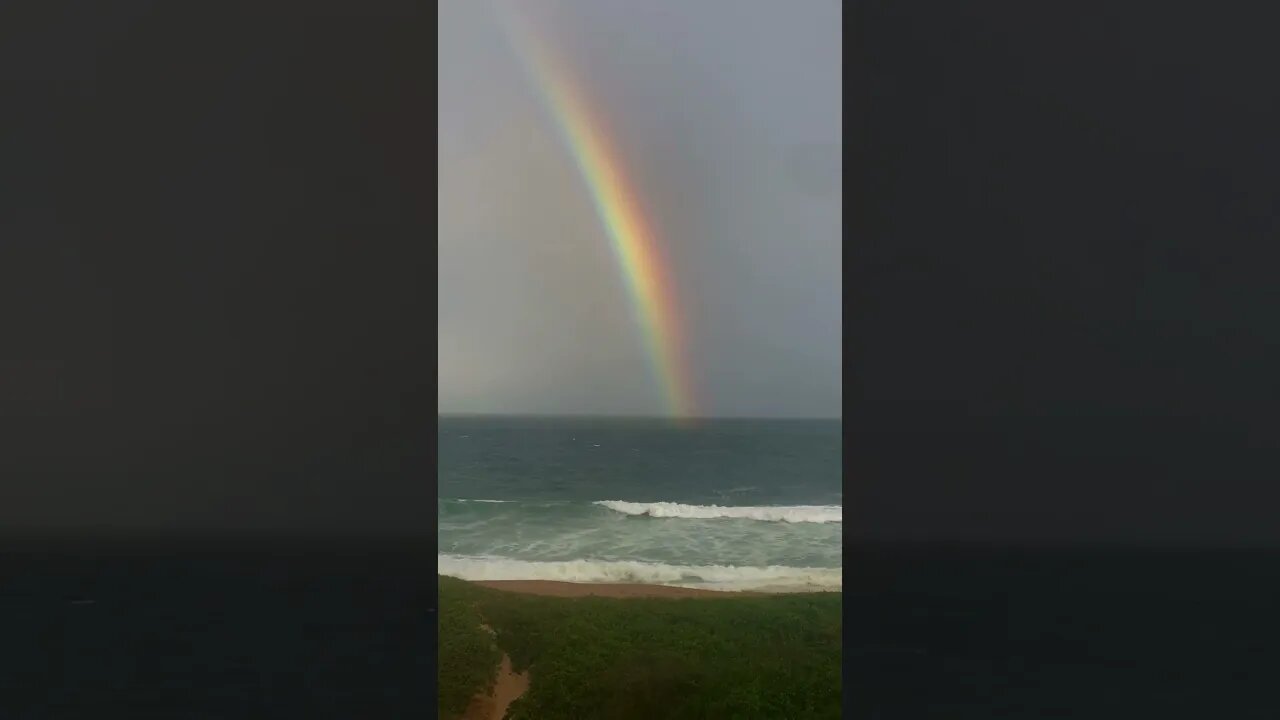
730, 126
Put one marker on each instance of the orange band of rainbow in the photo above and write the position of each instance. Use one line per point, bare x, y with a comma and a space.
635, 247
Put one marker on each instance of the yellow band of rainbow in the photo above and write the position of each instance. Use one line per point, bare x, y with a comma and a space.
635, 246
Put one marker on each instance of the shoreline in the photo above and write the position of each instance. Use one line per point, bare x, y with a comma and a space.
564, 588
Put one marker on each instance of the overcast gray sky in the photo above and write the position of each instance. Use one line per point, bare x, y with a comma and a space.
728, 115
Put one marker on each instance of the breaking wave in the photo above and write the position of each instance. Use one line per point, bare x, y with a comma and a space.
774, 578
766, 513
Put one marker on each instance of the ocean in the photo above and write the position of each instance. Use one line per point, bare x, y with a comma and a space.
721, 504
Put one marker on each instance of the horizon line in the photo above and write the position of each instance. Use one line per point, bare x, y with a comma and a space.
627, 416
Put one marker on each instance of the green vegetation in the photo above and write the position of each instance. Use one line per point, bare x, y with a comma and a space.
468, 658
740, 657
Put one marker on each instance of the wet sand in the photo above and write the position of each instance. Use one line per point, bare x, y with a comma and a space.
555, 588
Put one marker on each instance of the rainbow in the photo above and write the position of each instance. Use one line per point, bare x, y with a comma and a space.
635, 247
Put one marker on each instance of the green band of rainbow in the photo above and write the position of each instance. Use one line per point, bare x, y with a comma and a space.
635, 247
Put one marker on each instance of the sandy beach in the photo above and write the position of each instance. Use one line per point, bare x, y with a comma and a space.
555, 588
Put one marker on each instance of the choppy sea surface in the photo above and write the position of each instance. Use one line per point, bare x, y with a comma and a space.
725, 504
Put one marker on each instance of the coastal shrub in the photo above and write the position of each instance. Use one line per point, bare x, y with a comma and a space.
467, 660
738, 657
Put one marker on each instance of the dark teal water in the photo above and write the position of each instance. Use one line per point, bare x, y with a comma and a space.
726, 503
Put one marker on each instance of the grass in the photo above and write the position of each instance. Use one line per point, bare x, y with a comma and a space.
612, 659
468, 658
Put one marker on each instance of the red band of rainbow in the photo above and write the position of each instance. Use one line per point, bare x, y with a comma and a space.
635, 245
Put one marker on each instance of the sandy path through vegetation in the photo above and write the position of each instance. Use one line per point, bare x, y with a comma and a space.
508, 686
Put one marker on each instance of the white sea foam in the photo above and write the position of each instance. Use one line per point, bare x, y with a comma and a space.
774, 578
767, 513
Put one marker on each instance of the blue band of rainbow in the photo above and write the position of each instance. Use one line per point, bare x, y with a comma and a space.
635, 247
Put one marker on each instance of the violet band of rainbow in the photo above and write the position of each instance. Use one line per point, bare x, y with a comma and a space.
636, 248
